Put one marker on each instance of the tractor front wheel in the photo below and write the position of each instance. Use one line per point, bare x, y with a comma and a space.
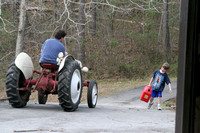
92, 94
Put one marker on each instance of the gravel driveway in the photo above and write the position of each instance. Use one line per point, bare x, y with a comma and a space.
120, 112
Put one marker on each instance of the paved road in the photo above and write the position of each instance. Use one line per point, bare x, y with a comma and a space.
121, 112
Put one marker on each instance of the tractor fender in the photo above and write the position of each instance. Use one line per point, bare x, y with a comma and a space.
24, 63
62, 64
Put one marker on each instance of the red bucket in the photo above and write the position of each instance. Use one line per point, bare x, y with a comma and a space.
146, 94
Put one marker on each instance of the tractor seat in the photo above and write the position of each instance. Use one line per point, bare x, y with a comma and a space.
49, 66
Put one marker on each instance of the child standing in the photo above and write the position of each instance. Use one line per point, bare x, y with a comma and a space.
159, 79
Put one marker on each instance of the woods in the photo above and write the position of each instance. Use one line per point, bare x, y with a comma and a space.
115, 39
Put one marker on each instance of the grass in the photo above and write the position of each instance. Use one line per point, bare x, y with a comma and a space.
169, 104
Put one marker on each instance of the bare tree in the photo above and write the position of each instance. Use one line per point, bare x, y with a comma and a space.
81, 31
143, 23
94, 16
0, 7
21, 27
166, 37
55, 11
16, 4
112, 19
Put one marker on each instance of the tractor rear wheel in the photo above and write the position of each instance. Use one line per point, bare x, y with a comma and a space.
92, 94
14, 80
42, 98
70, 86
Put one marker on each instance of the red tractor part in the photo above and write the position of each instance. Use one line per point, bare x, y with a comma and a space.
47, 79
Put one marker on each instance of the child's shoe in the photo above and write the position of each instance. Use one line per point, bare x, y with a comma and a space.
150, 104
159, 108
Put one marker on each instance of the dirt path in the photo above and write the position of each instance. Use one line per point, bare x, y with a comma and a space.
121, 112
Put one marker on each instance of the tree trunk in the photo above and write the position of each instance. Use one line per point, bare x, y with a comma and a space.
0, 8
55, 10
21, 27
16, 4
112, 23
144, 18
166, 37
94, 15
81, 30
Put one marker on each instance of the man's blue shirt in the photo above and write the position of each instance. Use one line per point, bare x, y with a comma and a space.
51, 48
159, 80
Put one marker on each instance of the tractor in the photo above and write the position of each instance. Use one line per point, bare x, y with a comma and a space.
64, 79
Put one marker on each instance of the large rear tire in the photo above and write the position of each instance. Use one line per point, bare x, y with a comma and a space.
14, 80
92, 94
70, 86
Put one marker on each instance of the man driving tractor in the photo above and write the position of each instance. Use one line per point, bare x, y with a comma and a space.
52, 47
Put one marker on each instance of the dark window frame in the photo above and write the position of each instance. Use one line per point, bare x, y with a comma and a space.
188, 73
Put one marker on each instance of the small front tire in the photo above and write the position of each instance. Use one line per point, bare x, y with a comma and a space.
92, 94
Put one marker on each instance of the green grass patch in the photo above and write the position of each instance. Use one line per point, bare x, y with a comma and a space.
169, 104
